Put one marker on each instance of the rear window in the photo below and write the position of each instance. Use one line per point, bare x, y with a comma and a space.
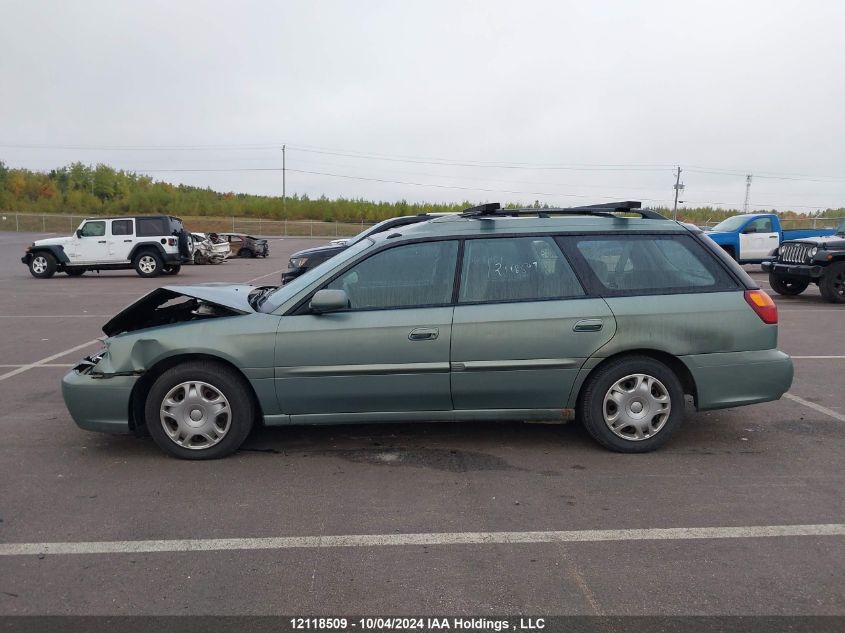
648, 264
121, 227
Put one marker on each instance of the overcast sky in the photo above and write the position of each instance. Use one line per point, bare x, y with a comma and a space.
572, 102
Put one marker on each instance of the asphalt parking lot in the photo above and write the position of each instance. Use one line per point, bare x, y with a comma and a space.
745, 471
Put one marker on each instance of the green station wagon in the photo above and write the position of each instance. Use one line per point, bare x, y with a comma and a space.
492, 314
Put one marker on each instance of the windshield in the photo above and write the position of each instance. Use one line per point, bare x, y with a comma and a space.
276, 298
731, 224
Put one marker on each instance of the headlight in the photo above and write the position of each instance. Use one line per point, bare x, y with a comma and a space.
812, 253
298, 262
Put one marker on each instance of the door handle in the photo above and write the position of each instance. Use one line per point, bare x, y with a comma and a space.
423, 334
101, 241
773, 237
588, 325
127, 240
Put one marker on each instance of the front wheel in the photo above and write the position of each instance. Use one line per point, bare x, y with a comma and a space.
148, 264
42, 265
199, 410
832, 285
632, 405
786, 286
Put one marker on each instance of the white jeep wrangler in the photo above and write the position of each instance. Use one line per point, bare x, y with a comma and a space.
152, 245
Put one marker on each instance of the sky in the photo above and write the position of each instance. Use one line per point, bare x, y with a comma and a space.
562, 102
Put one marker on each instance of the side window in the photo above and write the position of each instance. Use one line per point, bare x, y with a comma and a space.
121, 227
152, 227
402, 277
94, 229
761, 225
516, 269
644, 264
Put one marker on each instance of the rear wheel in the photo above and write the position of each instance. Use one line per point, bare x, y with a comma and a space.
787, 286
199, 410
42, 265
246, 252
632, 405
832, 285
148, 264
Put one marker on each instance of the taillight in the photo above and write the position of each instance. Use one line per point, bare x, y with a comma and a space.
763, 305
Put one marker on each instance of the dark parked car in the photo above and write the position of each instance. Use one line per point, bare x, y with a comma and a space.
305, 260
245, 245
817, 259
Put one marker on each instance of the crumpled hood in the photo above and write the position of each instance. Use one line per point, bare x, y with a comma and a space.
148, 311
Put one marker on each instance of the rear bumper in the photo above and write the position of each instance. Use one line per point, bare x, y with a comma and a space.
734, 379
794, 270
98, 404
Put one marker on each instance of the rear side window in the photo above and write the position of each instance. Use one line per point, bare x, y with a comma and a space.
411, 275
649, 264
121, 227
516, 269
153, 227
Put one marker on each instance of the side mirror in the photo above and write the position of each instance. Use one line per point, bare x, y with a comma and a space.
78, 232
328, 301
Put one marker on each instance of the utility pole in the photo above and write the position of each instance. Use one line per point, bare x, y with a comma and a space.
747, 193
284, 192
678, 187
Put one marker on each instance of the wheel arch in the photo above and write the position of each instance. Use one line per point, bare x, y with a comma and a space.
57, 252
142, 246
138, 397
673, 362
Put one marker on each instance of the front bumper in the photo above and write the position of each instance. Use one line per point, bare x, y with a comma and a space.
732, 379
794, 270
292, 273
98, 404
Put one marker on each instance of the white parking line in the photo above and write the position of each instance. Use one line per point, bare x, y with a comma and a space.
39, 365
275, 272
435, 538
44, 361
815, 407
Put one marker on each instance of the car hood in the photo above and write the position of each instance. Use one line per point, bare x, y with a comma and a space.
318, 250
53, 241
824, 241
150, 310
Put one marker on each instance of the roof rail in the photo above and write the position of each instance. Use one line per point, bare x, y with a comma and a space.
494, 209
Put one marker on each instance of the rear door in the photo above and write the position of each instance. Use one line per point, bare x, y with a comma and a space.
121, 240
758, 239
389, 352
523, 325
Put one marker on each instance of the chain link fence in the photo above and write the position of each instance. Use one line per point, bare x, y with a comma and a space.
67, 224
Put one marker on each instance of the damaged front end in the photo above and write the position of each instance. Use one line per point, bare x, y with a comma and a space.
98, 390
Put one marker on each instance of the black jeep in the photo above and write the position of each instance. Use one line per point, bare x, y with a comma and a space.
819, 260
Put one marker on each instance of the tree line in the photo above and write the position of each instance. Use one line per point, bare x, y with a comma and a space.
81, 189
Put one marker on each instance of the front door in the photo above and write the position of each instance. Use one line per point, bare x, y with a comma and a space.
389, 352
91, 244
523, 326
758, 240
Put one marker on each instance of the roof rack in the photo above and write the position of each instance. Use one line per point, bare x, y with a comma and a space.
607, 209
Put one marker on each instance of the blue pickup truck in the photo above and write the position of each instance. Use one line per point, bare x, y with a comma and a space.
755, 237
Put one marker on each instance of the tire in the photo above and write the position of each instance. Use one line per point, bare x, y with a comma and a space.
246, 252
74, 271
599, 412
42, 265
172, 269
199, 259
789, 287
197, 382
832, 285
148, 263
